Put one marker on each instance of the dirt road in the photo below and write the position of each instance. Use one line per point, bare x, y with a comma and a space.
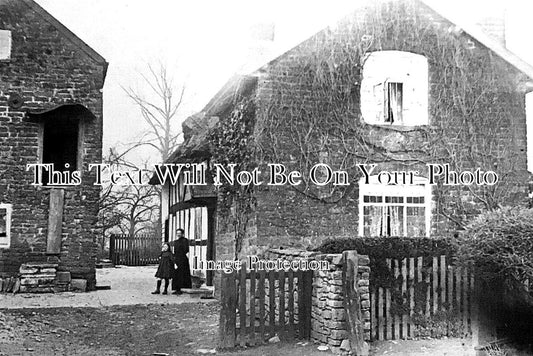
128, 320
176, 330
121, 330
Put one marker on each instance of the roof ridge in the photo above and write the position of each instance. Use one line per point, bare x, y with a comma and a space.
470, 29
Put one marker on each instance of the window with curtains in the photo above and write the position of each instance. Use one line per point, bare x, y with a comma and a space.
5, 225
394, 210
394, 89
393, 102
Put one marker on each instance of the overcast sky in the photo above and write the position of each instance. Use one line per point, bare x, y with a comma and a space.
204, 42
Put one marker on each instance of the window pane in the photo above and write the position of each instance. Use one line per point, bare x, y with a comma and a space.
415, 200
393, 102
394, 220
3, 222
372, 199
397, 200
416, 221
373, 221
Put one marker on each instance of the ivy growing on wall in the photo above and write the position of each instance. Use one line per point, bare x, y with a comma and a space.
231, 144
314, 112
310, 112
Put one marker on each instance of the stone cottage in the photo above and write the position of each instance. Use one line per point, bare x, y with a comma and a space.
399, 121
50, 113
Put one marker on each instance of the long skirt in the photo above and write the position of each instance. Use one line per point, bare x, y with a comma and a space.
182, 274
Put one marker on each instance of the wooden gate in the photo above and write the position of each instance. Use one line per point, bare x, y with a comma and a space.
256, 305
138, 250
422, 290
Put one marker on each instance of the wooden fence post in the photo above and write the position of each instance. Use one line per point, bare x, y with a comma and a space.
306, 303
474, 313
228, 302
352, 303
55, 221
112, 256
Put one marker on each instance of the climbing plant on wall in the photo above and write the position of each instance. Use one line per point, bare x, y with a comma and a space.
313, 112
231, 144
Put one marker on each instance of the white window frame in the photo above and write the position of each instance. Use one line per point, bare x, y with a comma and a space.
5, 44
409, 69
421, 187
5, 242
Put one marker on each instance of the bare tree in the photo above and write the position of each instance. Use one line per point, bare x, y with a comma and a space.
161, 111
127, 209
139, 208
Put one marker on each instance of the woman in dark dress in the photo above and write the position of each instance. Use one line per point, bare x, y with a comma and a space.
182, 274
166, 268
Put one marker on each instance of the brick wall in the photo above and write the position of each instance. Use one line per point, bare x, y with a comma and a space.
300, 123
46, 69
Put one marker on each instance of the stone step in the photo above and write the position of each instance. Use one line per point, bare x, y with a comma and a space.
40, 265
29, 289
39, 276
105, 264
198, 292
36, 281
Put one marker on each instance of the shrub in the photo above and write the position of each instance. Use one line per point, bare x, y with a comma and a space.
389, 247
379, 249
499, 244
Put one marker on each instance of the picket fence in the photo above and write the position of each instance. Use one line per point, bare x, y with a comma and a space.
424, 287
138, 250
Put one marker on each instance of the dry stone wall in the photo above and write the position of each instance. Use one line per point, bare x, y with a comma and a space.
328, 318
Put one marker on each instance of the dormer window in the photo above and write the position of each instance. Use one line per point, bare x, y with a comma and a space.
394, 89
5, 44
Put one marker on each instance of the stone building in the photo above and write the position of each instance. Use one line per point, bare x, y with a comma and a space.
50, 113
394, 84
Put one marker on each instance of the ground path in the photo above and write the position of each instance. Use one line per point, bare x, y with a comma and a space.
129, 286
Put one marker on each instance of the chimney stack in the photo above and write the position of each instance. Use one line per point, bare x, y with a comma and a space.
259, 45
493, 24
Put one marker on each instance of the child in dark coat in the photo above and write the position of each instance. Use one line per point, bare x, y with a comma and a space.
165, 269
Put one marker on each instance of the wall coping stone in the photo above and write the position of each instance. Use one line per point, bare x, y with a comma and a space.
294, 252
40, 265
